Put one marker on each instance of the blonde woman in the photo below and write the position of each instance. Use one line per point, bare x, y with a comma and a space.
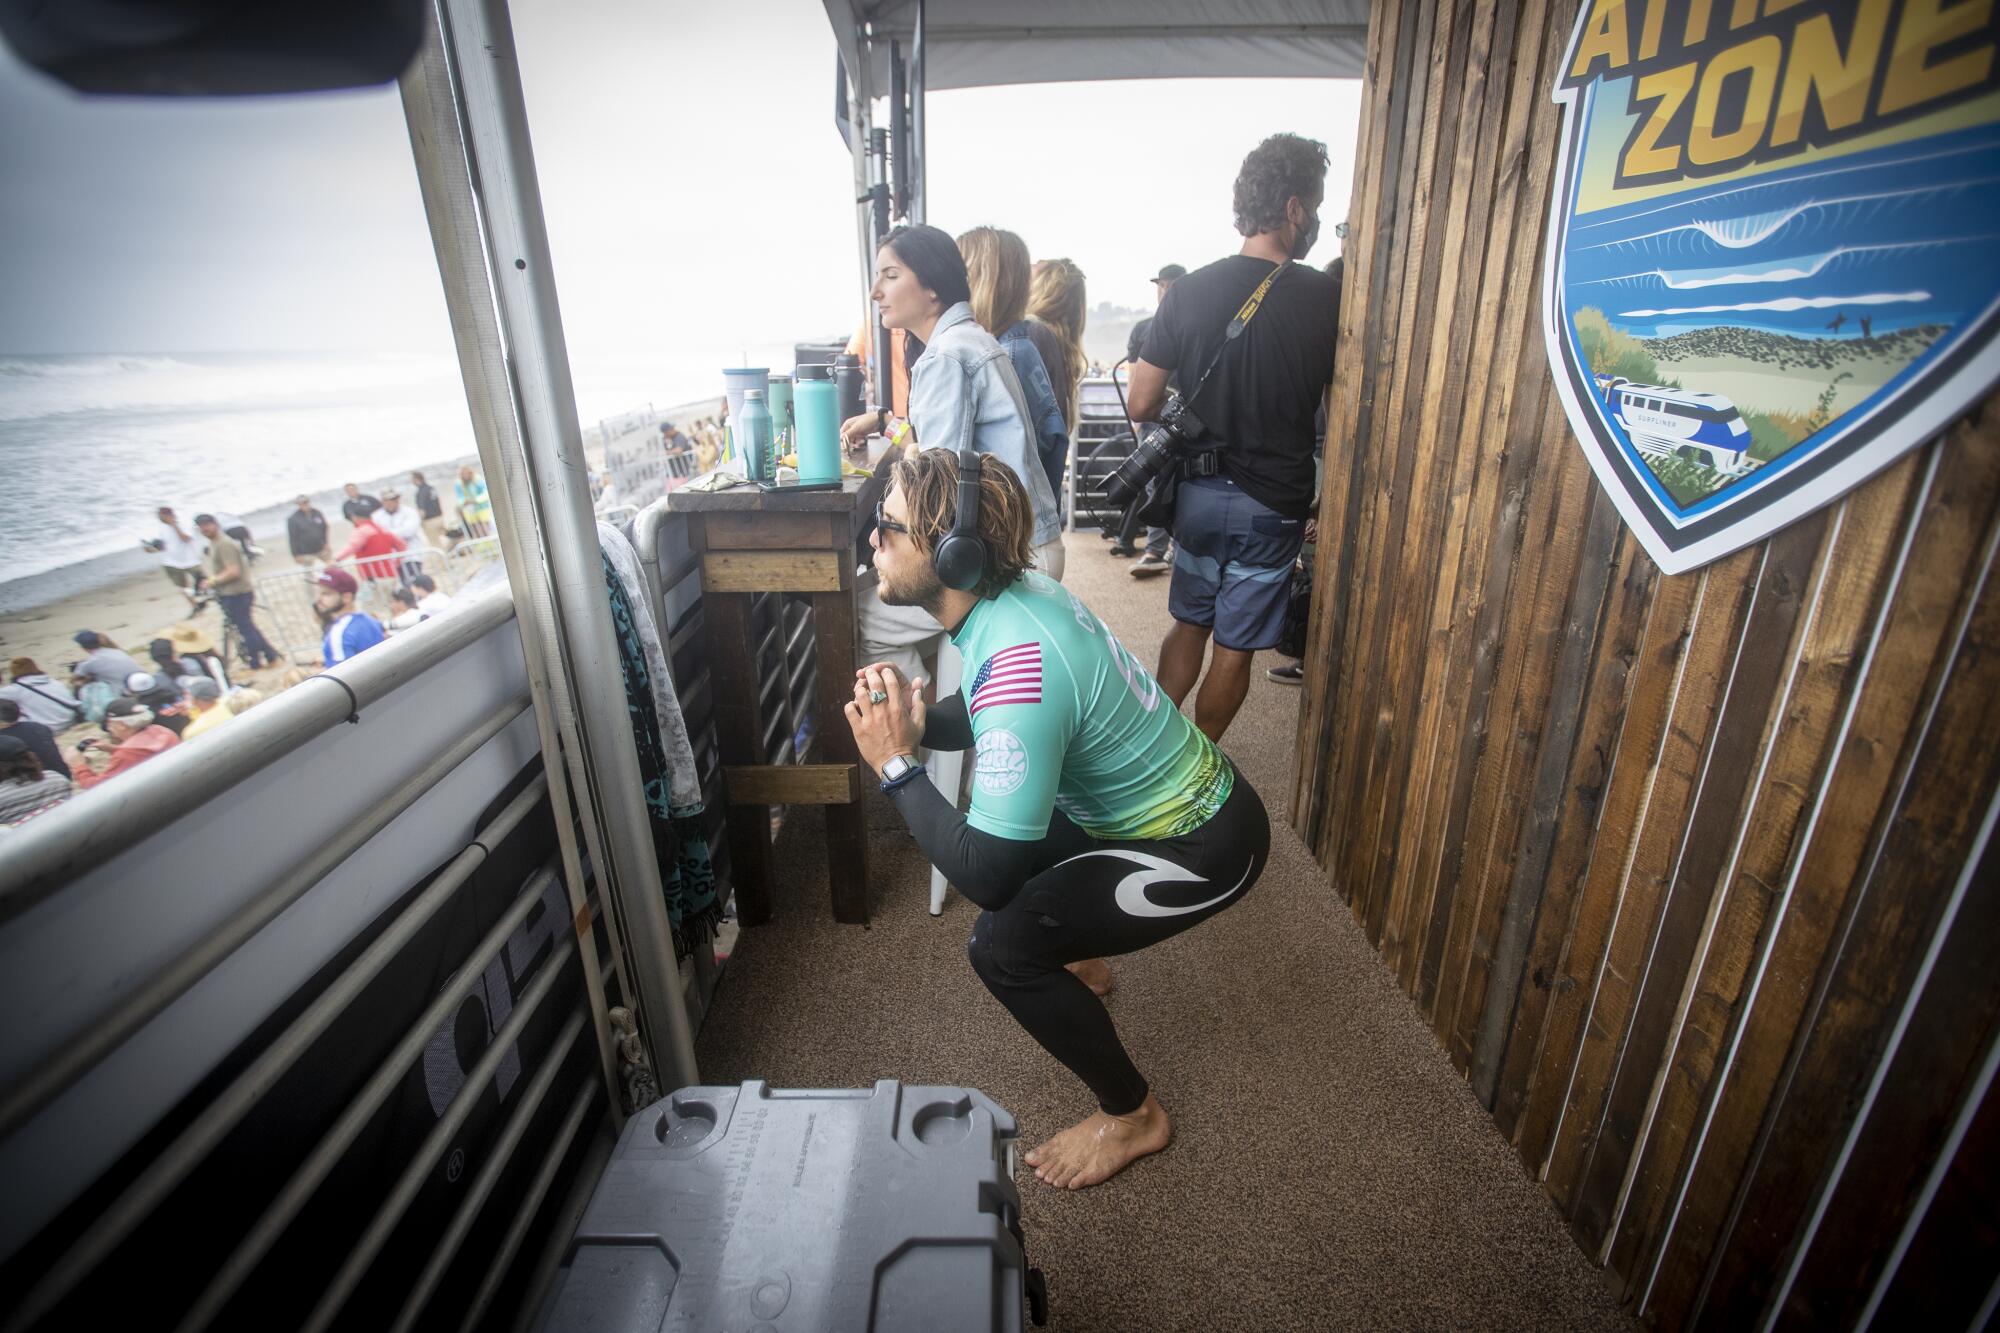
1056, 302
996, 268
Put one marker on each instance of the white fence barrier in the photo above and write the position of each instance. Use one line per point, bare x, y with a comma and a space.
285, 597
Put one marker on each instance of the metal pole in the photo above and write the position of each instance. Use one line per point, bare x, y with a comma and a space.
919, 196
548, 494
878, 216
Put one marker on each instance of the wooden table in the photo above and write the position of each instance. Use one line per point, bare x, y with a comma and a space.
752, 542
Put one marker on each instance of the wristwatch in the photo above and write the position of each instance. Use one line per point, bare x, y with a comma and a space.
899, 770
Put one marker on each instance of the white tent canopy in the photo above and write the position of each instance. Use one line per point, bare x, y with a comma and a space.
976, 43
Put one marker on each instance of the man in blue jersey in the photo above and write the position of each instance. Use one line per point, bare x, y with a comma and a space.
1101, 820
348, 631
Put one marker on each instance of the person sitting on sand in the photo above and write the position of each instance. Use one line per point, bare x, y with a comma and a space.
106, 663
206, 711
1102, 821
136, 736
403, 612
41, 698
27, 787
40, 739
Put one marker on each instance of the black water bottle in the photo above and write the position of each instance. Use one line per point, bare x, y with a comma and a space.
850, 386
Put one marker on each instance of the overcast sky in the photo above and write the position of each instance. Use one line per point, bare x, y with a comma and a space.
697, 194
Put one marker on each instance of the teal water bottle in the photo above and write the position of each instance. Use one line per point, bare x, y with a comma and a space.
753, 436
817, 414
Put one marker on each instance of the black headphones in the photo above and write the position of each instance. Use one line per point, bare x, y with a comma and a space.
961, 556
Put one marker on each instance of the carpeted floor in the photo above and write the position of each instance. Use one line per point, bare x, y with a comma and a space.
1330, 1169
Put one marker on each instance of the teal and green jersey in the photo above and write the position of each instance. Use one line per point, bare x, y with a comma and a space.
1064, 717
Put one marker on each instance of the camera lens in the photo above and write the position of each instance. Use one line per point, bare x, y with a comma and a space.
1146, 461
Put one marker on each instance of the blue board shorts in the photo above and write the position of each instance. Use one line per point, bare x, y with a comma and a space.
1232, 563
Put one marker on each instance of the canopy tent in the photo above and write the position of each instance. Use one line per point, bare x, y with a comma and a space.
974, 44
900, 48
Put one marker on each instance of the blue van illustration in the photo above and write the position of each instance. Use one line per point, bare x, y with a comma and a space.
1700, 428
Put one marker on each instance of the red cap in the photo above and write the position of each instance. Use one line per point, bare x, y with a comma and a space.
337, 579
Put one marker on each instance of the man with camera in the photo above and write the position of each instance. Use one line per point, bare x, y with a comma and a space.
1101, 822
1253, 334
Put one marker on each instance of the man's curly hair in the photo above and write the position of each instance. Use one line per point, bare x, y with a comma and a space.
1277, 169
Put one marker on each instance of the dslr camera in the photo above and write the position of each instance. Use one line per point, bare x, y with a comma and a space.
1162, 444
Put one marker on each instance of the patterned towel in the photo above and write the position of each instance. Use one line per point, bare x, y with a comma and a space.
686, 873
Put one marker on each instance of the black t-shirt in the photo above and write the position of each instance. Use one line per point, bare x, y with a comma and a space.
1265, 390
42, 741
360, 507
427, 502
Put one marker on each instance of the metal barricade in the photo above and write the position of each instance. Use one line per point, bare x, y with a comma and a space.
617, 515
285, 609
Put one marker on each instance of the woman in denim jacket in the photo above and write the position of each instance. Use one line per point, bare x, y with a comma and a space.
964, 394
996, 263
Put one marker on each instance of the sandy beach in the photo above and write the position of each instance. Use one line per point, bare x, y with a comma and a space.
135, 608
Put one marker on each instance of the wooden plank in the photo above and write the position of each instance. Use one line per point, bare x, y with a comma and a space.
1903, 881
771, 532
1469, 258
1569, 681
1319, 711
1864, 531
1410, 456
1773, 624
1946, 1274
774, 571
1715, 636
1381, 234
793, 784
1650, 692
1540, 574
1505, 391
846, 829
1941, 1061
1361, 664
1953, 508
1634, 579
739, 727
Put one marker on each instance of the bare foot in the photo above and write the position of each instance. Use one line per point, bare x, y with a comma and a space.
1094, 973
1092, 1151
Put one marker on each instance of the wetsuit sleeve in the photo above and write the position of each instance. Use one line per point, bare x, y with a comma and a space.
986, 869
946, 726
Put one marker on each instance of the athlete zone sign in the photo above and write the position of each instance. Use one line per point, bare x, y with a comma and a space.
1773, 262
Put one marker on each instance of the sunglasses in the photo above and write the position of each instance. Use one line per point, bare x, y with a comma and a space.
887, 524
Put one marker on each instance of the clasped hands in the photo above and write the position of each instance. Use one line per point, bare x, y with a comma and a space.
886, 715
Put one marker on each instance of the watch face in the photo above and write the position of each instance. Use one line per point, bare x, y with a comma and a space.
897, 767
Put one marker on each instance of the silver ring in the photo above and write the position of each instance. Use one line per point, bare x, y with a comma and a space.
876, 697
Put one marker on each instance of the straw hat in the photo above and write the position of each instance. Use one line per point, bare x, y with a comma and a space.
187, 639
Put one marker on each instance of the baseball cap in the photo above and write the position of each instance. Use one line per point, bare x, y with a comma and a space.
201, 687
86, 639
391, 493
337, 579
1169, 273
10, 748
126, 706
140, 682
303, 500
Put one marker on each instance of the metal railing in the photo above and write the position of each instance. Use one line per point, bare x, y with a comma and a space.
82, 833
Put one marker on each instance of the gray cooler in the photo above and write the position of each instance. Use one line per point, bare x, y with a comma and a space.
891, 1208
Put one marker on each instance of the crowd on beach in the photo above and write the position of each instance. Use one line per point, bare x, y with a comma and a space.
110, 711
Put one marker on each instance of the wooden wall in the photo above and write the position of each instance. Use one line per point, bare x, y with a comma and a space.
1691, 875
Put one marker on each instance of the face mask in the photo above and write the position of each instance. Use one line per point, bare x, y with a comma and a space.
1303, 245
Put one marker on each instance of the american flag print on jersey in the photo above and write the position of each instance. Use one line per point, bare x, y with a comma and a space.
1010, 676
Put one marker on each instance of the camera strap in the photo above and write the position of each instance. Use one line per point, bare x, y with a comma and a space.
1239, 322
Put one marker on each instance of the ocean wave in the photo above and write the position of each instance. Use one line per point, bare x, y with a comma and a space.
1790, 269
1783, 303
1748, 230
83, 367
47, 389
